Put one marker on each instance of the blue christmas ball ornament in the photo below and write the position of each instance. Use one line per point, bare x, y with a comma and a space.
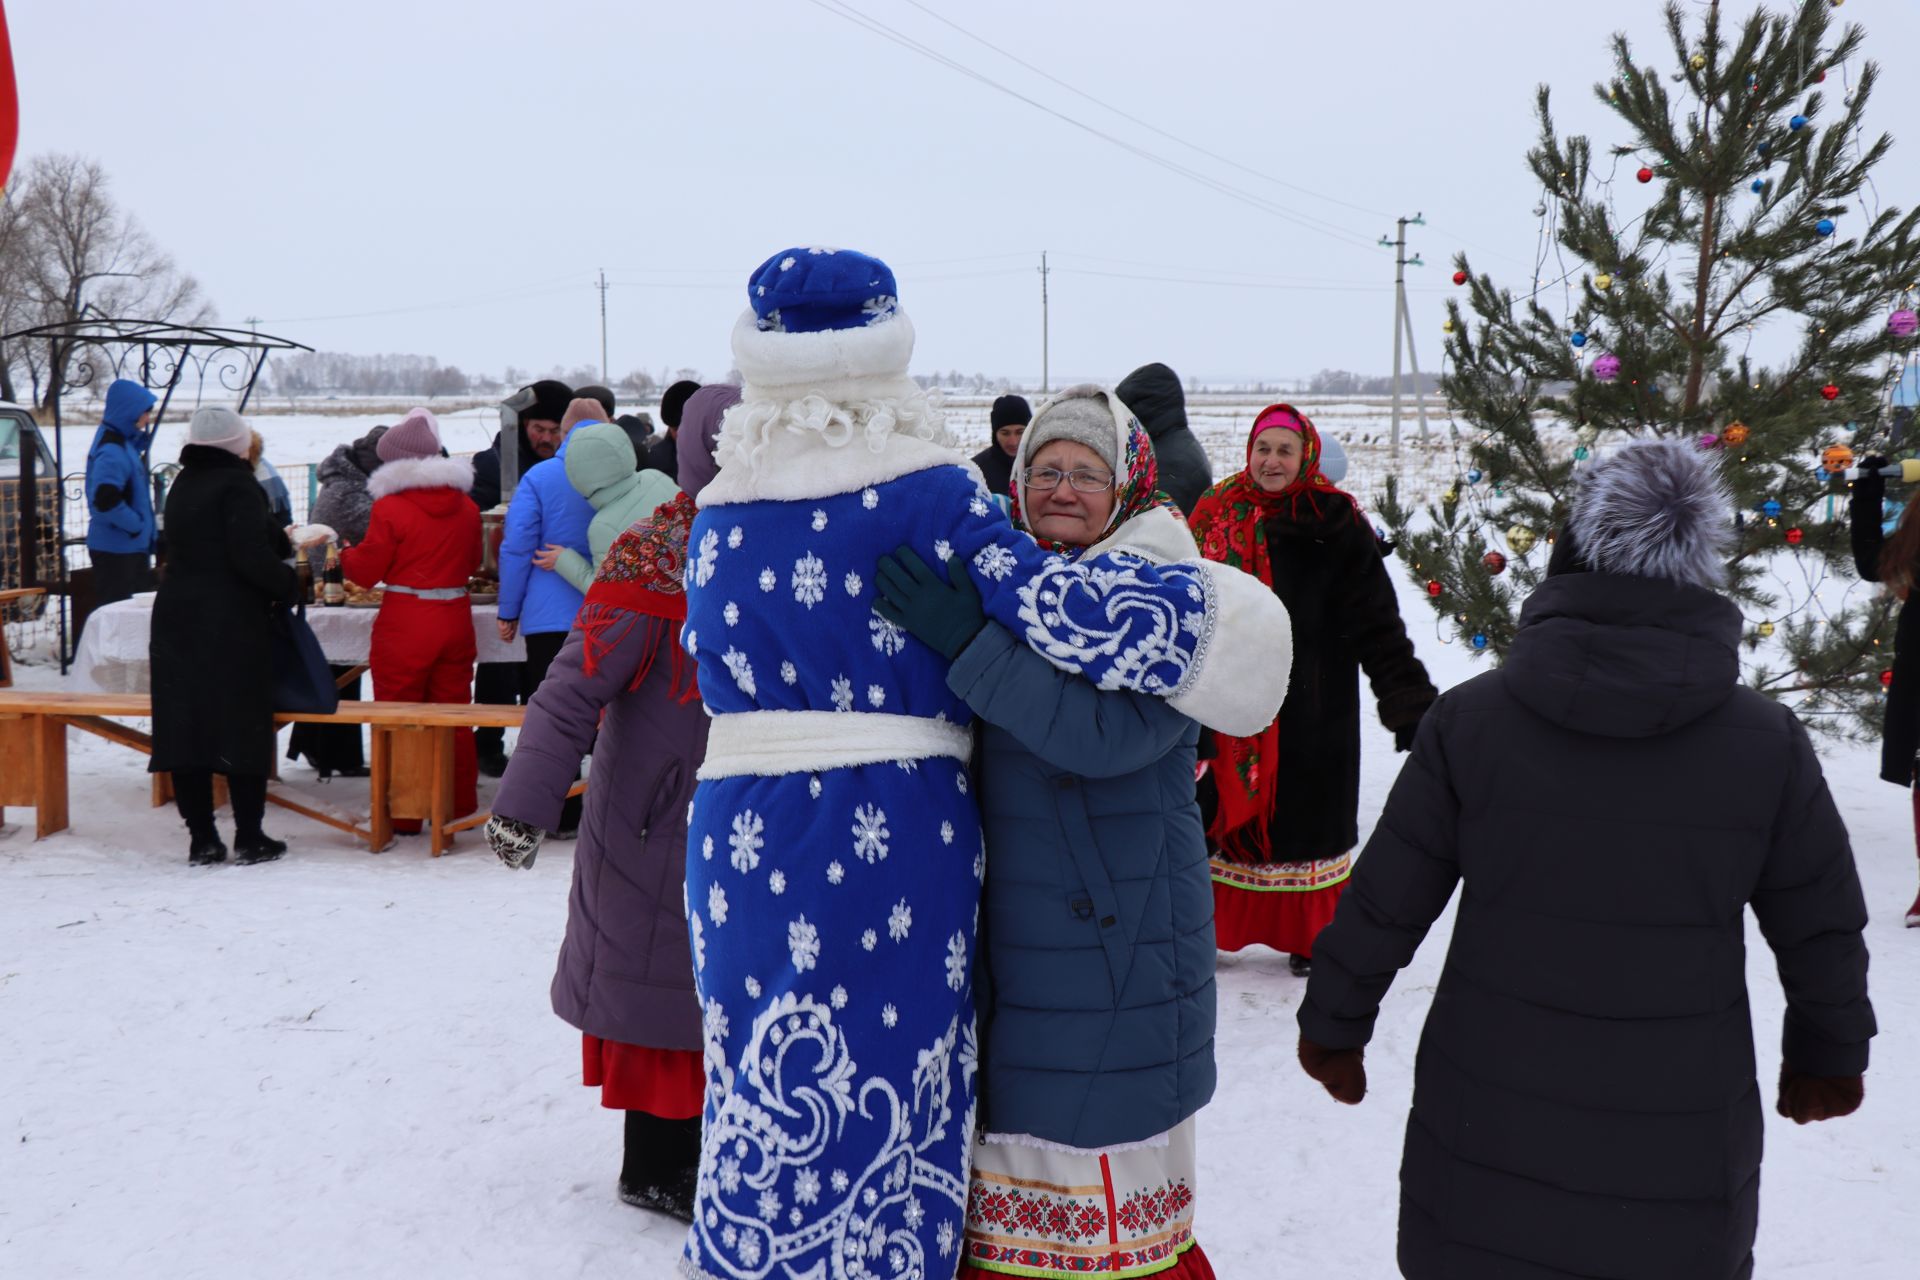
1824, 226
1579, 339
1798, 122
1473, 476
1759, 185
1479, 640
1765, 149
1770, 509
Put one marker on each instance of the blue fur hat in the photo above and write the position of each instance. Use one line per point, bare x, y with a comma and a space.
809, 290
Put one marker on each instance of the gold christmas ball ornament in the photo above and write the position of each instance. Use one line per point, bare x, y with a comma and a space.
1521, 539
1450, 497
1698, 62
1447, 327
1603, 282
1764, 630
1836, 458
1736, 434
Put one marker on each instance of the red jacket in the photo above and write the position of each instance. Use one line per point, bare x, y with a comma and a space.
425, 530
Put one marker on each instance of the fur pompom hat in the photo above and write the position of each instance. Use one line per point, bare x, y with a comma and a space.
1653, 509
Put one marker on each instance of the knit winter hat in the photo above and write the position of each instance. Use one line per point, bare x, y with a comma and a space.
673, 401
582, 409
1079, 414
217, 427
1008, 410
415, 436
1654, 509
600, 394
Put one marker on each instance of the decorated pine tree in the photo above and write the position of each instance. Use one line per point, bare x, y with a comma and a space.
1736, 204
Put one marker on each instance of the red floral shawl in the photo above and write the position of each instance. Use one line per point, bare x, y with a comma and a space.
1230, 524
641, 582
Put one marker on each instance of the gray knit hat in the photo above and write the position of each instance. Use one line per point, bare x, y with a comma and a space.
218, 427
1080, 414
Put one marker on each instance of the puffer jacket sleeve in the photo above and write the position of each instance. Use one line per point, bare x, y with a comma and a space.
1398, 890
256, 547
1061, 718
517, 544
562, 721
1863, 521
1370, 615
371, 559
1811, 911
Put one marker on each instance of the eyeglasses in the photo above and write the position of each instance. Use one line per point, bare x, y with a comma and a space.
1082, 481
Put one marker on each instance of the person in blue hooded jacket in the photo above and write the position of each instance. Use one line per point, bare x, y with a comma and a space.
537, 602
120, 527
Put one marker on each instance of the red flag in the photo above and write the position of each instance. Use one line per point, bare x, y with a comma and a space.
9, 101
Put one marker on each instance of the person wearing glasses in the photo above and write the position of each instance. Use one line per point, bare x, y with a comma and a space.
1281, 860
1097, 994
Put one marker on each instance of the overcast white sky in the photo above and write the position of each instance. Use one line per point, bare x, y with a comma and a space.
349, 170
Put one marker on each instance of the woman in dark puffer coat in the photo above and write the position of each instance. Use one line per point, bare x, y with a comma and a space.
622, 688
1585, 1102
212, 645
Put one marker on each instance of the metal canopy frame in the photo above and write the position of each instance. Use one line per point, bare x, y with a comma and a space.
159, 355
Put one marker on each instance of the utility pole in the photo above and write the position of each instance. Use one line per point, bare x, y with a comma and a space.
1403, 323
1043, 323
602, 286
253, 325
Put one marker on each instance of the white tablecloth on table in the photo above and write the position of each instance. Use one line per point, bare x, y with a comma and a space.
113, 646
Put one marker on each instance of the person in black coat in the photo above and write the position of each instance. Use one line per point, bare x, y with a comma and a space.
1283, 806
664, 454
1895, 562
211, 650
1153, 393
1008, 418
1585, 1097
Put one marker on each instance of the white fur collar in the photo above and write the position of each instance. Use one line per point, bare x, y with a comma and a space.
421, 473
1155, 535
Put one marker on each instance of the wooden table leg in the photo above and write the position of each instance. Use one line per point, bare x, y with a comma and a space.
379, 780
441, 810
51, 775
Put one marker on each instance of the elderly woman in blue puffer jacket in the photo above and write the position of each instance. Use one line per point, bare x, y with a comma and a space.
1097, 1005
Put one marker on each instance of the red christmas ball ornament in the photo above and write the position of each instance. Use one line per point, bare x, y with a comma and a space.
1829, 392
1459, 277
1794, 536
1886, 678
1645, 175
1495, 562
1433, 589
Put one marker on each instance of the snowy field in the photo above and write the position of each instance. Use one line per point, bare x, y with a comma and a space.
345, 1065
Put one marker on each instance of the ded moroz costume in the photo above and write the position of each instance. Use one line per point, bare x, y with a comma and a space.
834, 852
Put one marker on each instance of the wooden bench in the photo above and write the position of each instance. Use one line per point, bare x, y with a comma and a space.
410, 772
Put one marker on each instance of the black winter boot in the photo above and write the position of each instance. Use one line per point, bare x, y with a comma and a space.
661, 1165
205, 850
1299, 966
256, 846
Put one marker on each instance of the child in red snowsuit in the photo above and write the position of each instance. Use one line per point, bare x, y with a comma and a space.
423, 541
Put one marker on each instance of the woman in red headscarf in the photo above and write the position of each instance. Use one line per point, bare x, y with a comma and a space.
1282, 818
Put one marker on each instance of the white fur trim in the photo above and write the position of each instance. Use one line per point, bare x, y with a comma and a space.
799, 362
1155, 535
420, 473
816, 446
1242, 664
772, 743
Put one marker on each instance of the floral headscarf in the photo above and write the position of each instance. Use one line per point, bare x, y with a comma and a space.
641, 582
1138, 482
1230, 524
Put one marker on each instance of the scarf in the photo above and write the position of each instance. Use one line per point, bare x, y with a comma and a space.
641, 582
1139, 492
1230, 524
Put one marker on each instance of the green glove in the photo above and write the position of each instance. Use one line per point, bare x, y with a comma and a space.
944, 616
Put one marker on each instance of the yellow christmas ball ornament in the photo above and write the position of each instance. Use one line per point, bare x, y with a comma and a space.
1447, 327
1736, 434
1698, 62
1450, 497
1603, 282
1764, 630
1836, 458
1521, 539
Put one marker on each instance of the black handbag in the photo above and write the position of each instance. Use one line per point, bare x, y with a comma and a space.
302, 680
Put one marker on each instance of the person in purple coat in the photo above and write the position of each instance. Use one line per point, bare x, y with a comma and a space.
625, 976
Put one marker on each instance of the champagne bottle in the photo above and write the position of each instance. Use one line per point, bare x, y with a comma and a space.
335, 590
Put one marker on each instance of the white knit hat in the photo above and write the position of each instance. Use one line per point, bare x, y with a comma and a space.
218, 427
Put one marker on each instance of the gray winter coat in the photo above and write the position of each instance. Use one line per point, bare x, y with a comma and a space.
1097, 994
626, 966
1611, 802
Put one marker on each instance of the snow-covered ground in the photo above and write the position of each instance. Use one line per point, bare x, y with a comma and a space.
345, 1065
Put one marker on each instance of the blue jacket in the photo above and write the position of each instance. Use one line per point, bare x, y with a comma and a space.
119, 491
1097, 1012
545, 510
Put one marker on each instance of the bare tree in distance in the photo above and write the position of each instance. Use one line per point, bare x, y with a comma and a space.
74, 254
